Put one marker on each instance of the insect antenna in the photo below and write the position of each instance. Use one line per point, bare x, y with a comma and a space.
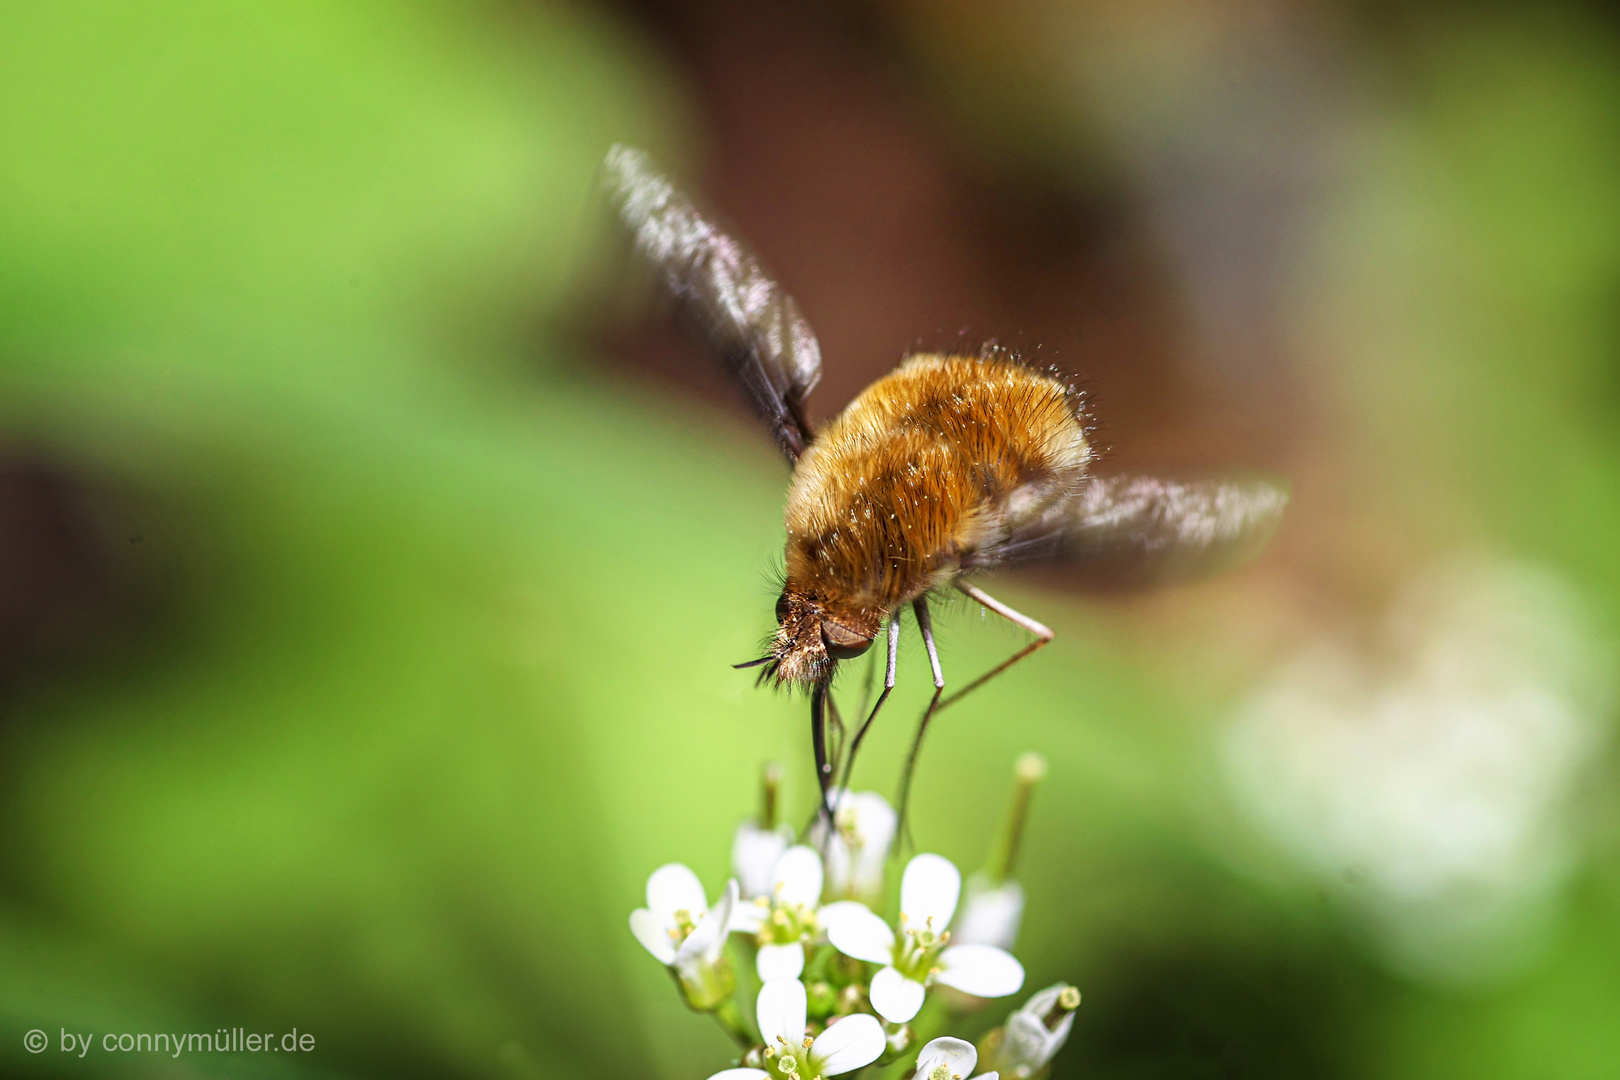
767, 665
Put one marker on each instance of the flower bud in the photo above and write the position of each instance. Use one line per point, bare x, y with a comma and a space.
1028, 772
700, 966
759, 844
1033, 1034
705, 984
822, 998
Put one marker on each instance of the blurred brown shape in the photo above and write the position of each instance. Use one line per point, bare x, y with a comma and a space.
895, 232
79, 580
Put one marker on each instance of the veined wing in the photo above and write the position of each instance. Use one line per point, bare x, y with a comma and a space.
1154, 527
753, 326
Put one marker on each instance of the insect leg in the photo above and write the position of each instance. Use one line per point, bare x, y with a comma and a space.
920, 606
888, 686
1042, 636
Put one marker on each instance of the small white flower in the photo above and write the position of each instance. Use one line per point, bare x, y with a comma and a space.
949, 1059
784, 920
991, 913
1035, 1033
682, 932
921, 954
844, 1046
859, 847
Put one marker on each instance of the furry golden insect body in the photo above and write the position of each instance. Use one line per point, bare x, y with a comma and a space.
949, 465
926, 470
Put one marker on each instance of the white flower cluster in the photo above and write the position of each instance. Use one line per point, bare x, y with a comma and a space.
840, 986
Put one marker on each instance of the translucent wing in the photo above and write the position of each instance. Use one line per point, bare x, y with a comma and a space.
753, 326
1150, 527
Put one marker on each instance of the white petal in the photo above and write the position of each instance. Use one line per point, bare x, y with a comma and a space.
840, 872
754, 852
749, 916
847, 1045
929, 890
895, 997
673, 887
653, 934
957, 1055
855, 931
988, 1076
709, 938
980, 970
780, 1011
741, 1074
797, 879
779, 962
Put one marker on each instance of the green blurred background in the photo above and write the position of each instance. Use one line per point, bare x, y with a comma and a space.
369, 577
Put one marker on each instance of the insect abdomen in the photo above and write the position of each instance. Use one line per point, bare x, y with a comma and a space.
929, 464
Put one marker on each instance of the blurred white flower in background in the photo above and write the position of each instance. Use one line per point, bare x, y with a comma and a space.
757, 845
990, 914
921, 954
1428, 785
754, 852
859, 846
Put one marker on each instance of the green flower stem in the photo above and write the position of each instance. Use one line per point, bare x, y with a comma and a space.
770, 784
934, 1020
730, 1019
1029, 771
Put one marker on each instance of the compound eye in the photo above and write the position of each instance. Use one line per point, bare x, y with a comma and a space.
782, 608
843, 643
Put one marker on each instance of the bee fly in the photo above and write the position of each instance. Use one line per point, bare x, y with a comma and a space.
947, 466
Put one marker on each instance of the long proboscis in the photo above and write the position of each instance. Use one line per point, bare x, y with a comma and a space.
818, 740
